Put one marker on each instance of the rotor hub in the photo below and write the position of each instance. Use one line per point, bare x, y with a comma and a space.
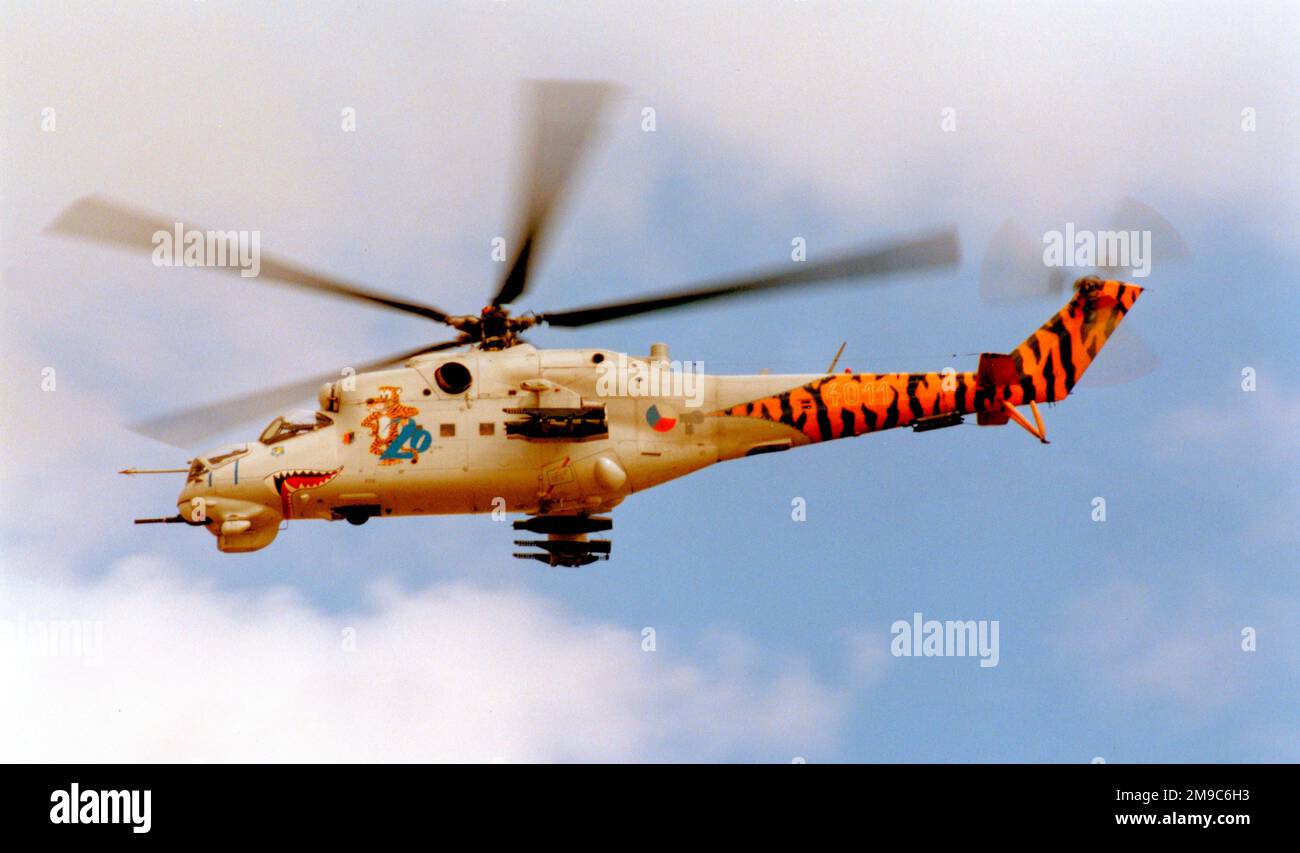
493, 328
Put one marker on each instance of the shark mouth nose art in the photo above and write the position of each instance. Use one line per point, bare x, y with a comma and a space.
300, 479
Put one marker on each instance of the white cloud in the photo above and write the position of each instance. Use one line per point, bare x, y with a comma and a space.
1138, 647
1266, 415
450, 673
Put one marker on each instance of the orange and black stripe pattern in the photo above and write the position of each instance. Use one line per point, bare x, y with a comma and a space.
1052, 359
1046, 367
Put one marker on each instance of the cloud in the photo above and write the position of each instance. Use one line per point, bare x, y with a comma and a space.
447, 673
1271, 417
1142, 647
1248, 441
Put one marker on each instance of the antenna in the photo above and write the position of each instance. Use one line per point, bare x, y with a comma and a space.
836, 360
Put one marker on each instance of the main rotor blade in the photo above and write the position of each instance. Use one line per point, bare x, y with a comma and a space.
941, 249
102, 221
186, 427
564, 115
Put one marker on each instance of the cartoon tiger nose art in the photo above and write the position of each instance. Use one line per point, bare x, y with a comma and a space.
392, 427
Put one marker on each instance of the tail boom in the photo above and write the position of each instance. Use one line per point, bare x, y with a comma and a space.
1042, 369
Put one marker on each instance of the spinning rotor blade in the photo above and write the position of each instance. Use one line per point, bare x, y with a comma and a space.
938, 250
101, 221
1013, 268
182, 429
1125, 358
564, 116
1166, 243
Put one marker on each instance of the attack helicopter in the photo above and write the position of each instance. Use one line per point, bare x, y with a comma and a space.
487, 423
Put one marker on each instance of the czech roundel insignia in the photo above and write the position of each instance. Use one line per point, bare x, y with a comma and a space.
661, 417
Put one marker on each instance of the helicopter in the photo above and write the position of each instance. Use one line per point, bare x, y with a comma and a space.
487, 423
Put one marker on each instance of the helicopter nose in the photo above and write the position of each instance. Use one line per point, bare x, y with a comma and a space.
192, 503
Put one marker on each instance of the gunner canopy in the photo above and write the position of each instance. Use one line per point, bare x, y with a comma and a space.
293, 423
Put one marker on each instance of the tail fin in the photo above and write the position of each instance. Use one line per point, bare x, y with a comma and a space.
1052, 359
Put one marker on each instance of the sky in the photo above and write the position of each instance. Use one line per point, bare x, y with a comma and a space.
421, 639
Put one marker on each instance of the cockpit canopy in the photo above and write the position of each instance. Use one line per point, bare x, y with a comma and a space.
216, 459
293, 423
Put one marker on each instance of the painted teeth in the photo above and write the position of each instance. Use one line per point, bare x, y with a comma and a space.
314, 476
308, 478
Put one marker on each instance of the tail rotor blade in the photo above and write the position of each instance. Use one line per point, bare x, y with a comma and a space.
1126, 357
1160, 242
1013, 268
